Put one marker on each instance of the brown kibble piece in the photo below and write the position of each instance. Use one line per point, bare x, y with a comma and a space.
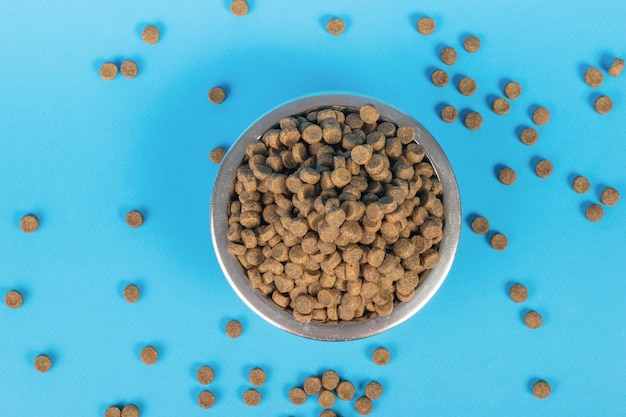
239, 7
513, 90
373, 390
134, 219
603, 104
406, 134
43, 363
257, 377
542, 390
609, 197
252, 397
130, 410
129, 69
330, 380
448, 55
581, 185
13, 299
541, 116
518, 293
467, 86
507, 176
150, 35
381, 356
449, 114
108, 71
473, 120
363, 406
345, 390
500, 106
533, 320
217, 155
593, 77
217, 95
328, 413
426, 25
113, 411
233, 329
369, 114
471, 44
312, 385
326, 398
149, 355
29, 223
205, 375
297, 396
543, 169
480, 225
529, 136
335, 26
440, 78
131, 293
616, 67
499, 241
206, 399
594, 212
361, 154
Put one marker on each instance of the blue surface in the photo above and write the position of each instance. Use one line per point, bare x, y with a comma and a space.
80, 152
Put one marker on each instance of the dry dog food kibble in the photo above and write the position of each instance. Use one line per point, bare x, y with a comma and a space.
312, 385
448, 55
473, 120
330, 380
131, 293
150, 35
257, 377
326, 398
529, 136
381, 356
616, 67
217, 155
239, 7
134, 219
206, 399
345, 390
603, 104
499, 241
541, 116
108, 71
13, 299
500, 106
543, 169
541, 390
480, 225
205, 375
373, 390
518, 293
252, 397
130, 410
449, 114
593, 77
507, 176
113, 411
471, 44
29, 223
149, 355
233, 329
533, 320
129, 69
513, 90
426, 25
609, 197
217, 95
581, 185
439, 78
467, 86
328, 413
363, 406
297, 396
594, 212
43, 363
335, 26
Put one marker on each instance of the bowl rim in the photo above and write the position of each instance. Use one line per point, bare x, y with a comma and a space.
261, 304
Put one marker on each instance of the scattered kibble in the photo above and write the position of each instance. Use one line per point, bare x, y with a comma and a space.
335, 26
217, 95
205, 375
603, 104
150, 35
471, 44
609, 196
131, 293
108, 71
373, 390
533, 320
529, 136
581, 184
43, 363
13, 299
512, 90
500, 106
507, 176
541, 116
543, 169
449, 114
499, 241
440, 78
29, 223
328, 413
594, 212
206, 399
233, 329
467, 86
363, 406
252, 397
257, 377
480, 225
297, 396
217, 155
616, 67
134, 219
593, 77
345, 390
473, 120
330, 380
239, 7
448, 55
113, 411
326, 398
129, 69
542, 390
381, 356
426, 25
518, 293
312, 385
149, 355
130, 410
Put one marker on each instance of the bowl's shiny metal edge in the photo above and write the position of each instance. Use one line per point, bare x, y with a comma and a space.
345, 331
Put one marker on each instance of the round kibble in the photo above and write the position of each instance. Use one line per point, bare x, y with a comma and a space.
29, 223
330, 380
312, 385
217, 155
130, 410
134, 219
593, 77
13, 299
616, 67
507, 176
467, 86
108, 71
603, 105
297, 396
473, 120
113, 411
581, 185
233, 329
480, 225
512, 90
328, 413
449, 114
131, 293
543, 169
252, 397
239, 7
594, 212
609, 197
542, 390
518, 293
150, 35
381, 356
440, 78
529, 136
499, 241
205, 375
363, 406
345, 390
257, 377
149, 355
217, 95
500, 106
533, 320
335, 26
373, 390
129, 69
206, 399
471, 44
43, 363
326, 399
406, 134
448, 55
426, 25
369, 114
541, 116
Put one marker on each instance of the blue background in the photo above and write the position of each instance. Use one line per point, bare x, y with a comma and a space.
80, 152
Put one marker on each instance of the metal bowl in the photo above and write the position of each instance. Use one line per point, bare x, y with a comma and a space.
263, 306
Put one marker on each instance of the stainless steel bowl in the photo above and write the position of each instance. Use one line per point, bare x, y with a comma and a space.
342, 331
